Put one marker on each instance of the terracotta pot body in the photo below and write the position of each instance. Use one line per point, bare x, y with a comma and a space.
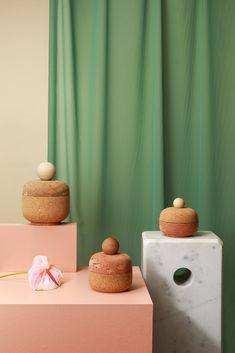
178, 222
110, 273
45, 202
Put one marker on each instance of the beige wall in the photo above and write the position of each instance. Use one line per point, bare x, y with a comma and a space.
23, 98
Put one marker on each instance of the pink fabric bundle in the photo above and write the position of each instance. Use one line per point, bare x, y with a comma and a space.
43, 276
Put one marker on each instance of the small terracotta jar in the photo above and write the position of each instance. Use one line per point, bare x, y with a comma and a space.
45, 201
178, 221
110, 271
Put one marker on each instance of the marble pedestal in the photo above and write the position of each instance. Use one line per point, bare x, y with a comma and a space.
187, 303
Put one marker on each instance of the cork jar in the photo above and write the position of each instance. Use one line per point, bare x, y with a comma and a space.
110, 271
178, 221
45, 201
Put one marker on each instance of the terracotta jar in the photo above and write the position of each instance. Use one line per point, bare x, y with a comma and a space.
110, 271
178, 221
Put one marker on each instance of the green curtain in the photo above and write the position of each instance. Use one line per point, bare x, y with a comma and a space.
141, 110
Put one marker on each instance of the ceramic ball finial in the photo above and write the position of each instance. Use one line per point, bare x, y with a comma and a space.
110, 246
178, 202
46, 171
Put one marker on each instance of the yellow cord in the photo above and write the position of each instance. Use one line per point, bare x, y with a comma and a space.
14, 274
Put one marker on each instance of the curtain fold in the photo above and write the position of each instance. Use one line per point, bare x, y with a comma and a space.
104, 134
141, 110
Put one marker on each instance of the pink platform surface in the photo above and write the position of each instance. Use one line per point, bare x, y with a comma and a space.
74, 318
19, 243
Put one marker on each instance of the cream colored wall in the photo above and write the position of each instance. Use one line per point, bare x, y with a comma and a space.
24, 28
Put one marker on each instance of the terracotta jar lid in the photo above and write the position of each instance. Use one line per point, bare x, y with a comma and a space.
110, 271
178, 221
45, 201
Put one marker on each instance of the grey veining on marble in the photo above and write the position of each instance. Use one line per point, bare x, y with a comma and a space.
187, 317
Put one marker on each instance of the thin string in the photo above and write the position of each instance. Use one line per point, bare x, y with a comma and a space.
13, 274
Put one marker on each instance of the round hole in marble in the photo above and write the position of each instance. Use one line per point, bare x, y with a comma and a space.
182, 276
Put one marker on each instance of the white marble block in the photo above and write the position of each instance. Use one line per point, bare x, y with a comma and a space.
187, 306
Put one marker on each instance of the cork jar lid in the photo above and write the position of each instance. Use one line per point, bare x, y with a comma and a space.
46, 188
110, 261
179, 213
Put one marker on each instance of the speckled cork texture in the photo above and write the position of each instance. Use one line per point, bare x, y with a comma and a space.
178, 221
110, 264
179, 215
110, 271
46, 188
178, 229
110, 283
45, 202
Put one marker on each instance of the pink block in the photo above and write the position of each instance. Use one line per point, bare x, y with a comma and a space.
19, 243
74, 318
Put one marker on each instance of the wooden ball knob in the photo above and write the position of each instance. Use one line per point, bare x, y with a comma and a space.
110, 246
178, 202
46, 171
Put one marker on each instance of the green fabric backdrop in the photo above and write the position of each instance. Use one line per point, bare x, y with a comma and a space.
141, 110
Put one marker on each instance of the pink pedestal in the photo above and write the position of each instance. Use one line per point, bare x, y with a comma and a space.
74, 318
19, 243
